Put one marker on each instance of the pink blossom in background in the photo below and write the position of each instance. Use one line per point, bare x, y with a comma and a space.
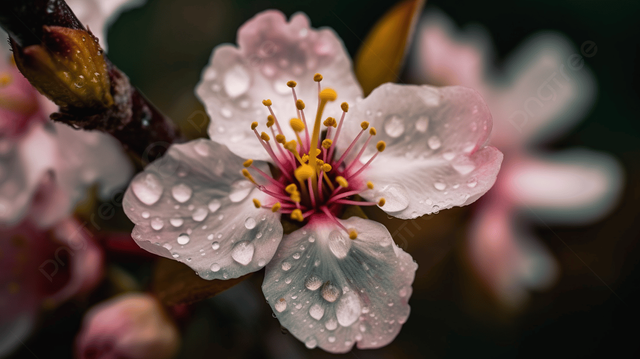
212, 205
42, 267
542, 91
129, 326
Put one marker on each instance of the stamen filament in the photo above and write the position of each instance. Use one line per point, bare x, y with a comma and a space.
355, 160
342, 195
348, 149
344, 106
331, 217
267, 177
365, 165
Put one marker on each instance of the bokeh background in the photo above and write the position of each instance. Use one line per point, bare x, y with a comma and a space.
591, 310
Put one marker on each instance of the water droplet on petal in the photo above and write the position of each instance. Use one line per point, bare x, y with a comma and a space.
339, 244
240, 190
394, 126
145, 214
434, 142
422, 124
202, 148
464, 167
225, 112
147, 188
311, 343
215, 267
214, 205
312, 282
236, 81
181, 192
243, 252
330, 292
439, 186
215, 246
250, 223
183, 239
281, 305
157, 223
448, 156
396, 197
199, 214
331, 339
331, 324
316, 311
176, 222
286, 266
472, 183
348, 309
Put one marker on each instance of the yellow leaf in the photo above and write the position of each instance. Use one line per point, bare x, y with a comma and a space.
381, 56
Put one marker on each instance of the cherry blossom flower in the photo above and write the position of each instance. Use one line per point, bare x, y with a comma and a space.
542, 91
132, 326
42, 267
286, 97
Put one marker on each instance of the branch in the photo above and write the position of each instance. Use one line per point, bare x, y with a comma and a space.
64, 61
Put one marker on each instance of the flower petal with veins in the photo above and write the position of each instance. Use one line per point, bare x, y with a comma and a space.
193, 205
271, 52
336, 301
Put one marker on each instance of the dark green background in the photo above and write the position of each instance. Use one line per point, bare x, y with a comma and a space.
164, 45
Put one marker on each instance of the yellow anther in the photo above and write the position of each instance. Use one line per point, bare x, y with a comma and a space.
291, 188
276, 207
369, 185
345, 107
257, 203
291, 146
304, 172
264, 136
372, 131
280, 138
297, 124
270, 120
330, 121
291, 83
364, 125
342, 182
300, 104
326, 167
245, 172
319, 162
318, 151
248, 163
327, 143
297, 215
267, 102
5, 79
380, 146
328, 95
353, 234
317, 77
295, 196
381, 202
305, 158
254, 125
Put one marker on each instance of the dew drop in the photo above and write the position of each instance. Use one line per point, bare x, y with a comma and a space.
243, 252
330, 292
311, 343
225, 112
394, 126
240, 190
214, 205
183, 239
312, 239
434, 142
201, 148
440, 186
339, 244
147, 188
215, 267
348, 309
281, 305
296, 256
157, 223
145, 214
472, 183
331, 339
422, 124
396, 197
199, 214
316, 311
286, 266
215, 246
176, 222
313, 283
236, 81
331, 324
448, 156
181, 192
464, 167
250, 223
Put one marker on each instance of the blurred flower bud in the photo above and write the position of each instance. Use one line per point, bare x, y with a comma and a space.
132, 326
68, 67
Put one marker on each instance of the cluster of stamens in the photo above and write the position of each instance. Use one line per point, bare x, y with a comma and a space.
309, 178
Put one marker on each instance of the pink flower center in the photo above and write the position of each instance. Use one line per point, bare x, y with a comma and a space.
310, 176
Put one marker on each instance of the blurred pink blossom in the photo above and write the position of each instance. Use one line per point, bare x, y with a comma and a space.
130, 326
542, 91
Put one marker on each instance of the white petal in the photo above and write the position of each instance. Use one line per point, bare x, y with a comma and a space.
271, 52
194, 205
435, 157
574, 186
331, 291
